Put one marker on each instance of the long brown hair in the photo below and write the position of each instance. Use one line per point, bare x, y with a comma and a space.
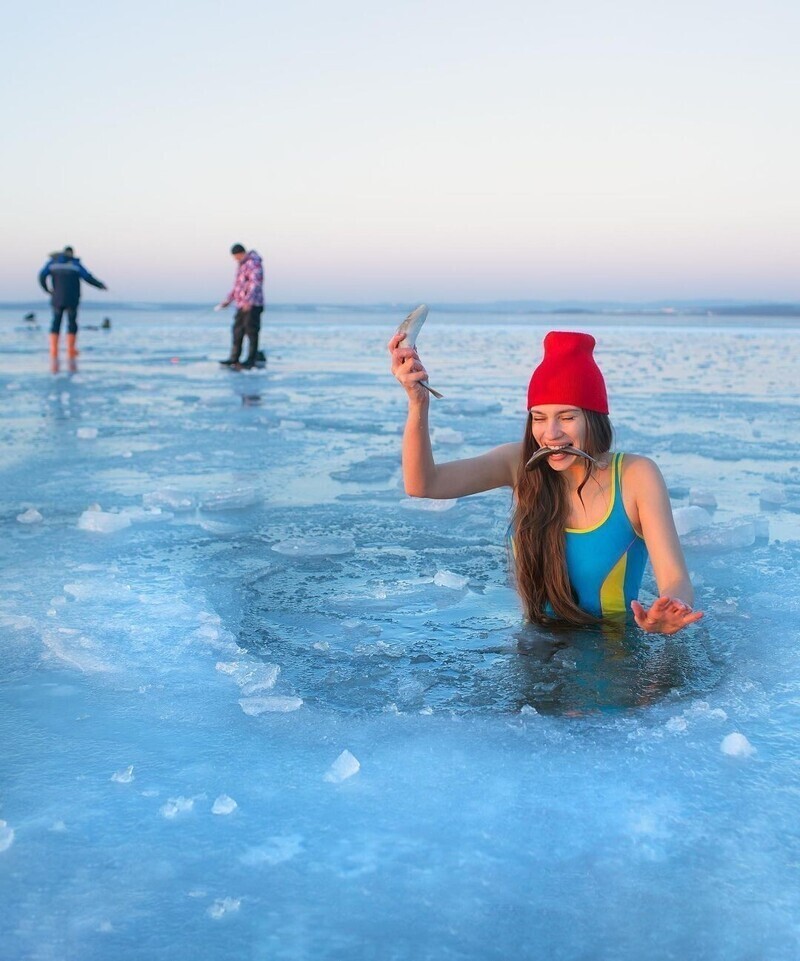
538, 521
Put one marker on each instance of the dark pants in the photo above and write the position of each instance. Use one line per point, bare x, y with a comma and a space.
72, 320
246, 323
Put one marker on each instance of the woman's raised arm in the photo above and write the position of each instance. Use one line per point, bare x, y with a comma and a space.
422, 476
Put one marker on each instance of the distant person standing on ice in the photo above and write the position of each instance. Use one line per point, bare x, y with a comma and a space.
66, 273
248, 295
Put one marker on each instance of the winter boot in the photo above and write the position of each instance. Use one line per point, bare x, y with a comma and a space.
72, 350
54, 345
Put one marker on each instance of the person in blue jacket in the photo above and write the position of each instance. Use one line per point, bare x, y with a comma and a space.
66, 273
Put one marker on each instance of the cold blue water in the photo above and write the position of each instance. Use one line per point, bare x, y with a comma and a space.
258, 704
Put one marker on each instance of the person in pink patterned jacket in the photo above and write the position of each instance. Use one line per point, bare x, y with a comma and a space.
248, 295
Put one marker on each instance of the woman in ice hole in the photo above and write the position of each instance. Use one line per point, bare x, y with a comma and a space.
582, 527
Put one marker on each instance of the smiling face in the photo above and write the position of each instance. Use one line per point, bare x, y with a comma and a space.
559, 425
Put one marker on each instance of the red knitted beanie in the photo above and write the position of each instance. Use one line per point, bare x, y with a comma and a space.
568, 374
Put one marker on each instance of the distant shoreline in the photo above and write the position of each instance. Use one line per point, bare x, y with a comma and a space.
605, 309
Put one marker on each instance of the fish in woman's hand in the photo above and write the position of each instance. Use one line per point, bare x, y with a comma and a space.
541, 455
410, 329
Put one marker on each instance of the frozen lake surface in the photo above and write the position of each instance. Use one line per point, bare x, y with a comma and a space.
258, 704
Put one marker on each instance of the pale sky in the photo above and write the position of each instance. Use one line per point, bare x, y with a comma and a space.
434, 150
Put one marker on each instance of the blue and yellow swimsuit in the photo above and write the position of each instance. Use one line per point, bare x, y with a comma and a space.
606, 562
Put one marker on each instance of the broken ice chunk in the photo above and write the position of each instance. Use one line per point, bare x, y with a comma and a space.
102, 522
772, 497
322, 546
86, 433
230, 500
689, 519
699, 497
124, 776
448, 579
224, 805
345, 766
730, 536
736, 745
30, 516
175, 806
253, 706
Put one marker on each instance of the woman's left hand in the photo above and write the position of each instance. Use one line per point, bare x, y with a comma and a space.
668, 615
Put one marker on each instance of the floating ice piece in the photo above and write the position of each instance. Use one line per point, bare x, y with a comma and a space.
86, 433
427, 504
689, 519
771, 497
102, 522
251, 677
276, 704
170, 498
446, 435
345, 766
699, 497
124, 776
175, 806
223, 906
224, 805
448, 579
232, 500
261, 680
30, 516
677, 725
291, 424
736, 745
730, 536
322, 546
6, 836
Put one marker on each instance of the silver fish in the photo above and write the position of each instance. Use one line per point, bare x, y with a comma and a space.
410, 329
541, 455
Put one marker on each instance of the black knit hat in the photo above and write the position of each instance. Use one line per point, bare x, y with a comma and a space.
238, 249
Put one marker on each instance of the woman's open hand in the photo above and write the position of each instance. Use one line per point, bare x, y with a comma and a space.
407, 367
667, 615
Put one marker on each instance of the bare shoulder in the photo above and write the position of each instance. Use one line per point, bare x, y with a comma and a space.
641, 473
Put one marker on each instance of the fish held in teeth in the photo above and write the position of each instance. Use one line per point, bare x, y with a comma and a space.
541, 455
410, 329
